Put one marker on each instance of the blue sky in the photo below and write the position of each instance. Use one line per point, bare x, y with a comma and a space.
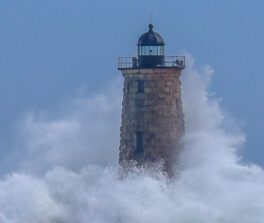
51, 49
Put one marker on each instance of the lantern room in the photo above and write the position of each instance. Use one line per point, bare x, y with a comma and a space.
150, 49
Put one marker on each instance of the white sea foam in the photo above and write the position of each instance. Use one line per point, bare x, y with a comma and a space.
65, 169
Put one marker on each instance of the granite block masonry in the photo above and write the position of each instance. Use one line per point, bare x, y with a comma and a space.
152, 118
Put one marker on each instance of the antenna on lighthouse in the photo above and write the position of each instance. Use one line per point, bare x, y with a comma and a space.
150, 17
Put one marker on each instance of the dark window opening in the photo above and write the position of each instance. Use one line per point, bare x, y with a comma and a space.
178, 106
140, 86
139, 142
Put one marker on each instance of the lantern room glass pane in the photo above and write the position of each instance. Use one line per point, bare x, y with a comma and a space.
151, 50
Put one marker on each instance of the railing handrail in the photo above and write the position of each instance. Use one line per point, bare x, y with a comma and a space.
170, 61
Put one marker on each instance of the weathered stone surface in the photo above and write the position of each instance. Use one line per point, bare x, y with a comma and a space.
157, 113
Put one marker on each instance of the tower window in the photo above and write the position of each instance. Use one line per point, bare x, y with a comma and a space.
139, 142
140, 86
177, 105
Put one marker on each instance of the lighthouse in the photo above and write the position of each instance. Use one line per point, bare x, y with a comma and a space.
152, 116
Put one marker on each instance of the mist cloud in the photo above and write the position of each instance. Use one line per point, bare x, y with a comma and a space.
86, 131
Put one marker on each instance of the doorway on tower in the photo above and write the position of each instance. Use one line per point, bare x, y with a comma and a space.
139, 142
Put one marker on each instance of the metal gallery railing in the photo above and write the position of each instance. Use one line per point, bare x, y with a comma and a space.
170, 61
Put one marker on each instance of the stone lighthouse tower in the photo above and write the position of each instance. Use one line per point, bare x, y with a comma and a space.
152, 117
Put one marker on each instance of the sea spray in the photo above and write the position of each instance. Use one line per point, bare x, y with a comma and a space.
211, 186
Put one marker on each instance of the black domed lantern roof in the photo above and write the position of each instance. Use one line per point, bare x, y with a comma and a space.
151, 49
151, 38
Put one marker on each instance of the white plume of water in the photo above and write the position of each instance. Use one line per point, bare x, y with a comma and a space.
66, 169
